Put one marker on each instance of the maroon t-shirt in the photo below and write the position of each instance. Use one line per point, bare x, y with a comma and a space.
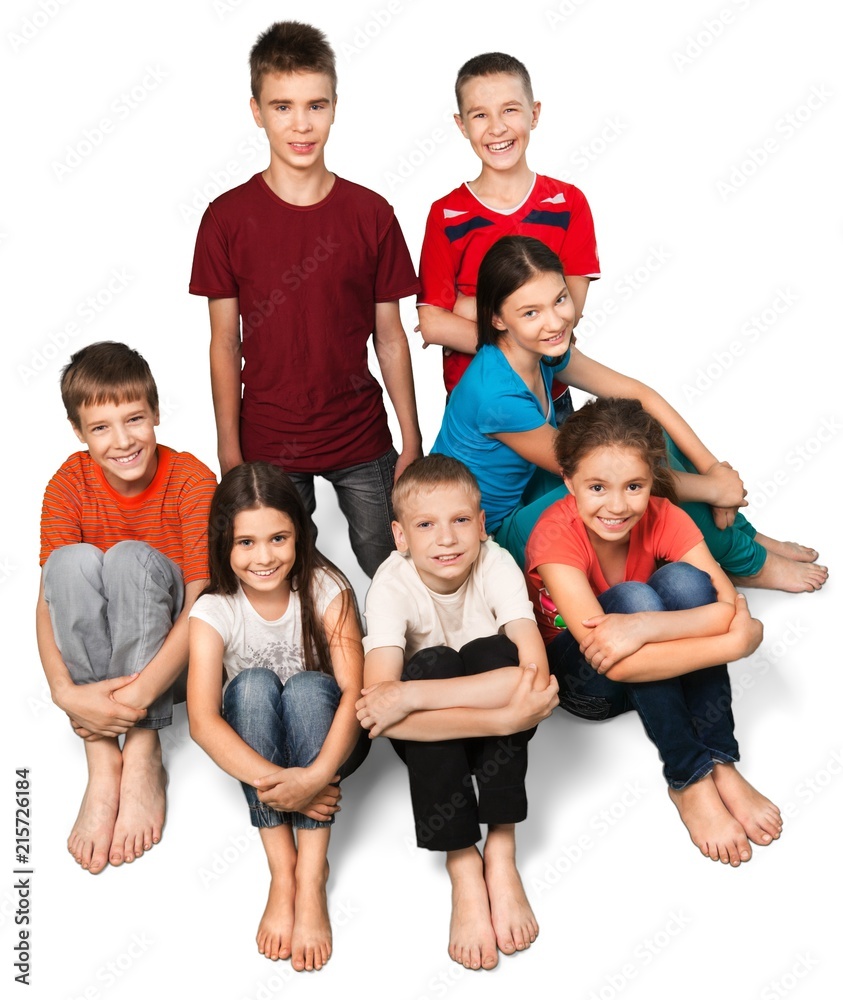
307, 278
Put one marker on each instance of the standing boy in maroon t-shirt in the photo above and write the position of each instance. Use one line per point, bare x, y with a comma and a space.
311, 265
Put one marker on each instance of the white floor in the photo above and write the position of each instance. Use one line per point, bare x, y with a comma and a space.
708, 145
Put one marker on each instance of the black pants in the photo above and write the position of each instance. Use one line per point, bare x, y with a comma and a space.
446, 810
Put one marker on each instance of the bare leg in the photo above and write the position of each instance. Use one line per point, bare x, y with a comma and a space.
712, 827
781, 573
275, 931
311, 945
759, 817
472, 936
790, 550
512, 916
90, 838
143, 784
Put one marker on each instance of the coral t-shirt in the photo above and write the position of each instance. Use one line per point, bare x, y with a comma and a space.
307, 278
664, 534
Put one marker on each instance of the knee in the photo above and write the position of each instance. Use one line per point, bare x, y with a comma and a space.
681, 585
127, 553
66, 565
308, 687
433, 663
252, 689
629, 597
489, 653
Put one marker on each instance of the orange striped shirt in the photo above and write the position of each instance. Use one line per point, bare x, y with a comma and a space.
171, 514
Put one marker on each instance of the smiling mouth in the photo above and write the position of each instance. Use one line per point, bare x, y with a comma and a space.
263, 573
556, 339
612, 522
500, 147
446, 560
127, 459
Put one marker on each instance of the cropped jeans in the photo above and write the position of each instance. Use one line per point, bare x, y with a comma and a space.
689, 717
286, 723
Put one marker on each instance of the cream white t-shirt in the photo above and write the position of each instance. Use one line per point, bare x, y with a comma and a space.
252, 641
401, 611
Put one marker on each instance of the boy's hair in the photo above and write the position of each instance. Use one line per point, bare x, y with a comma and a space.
615, 423
259, 484
291, 47
425, 474
509, 263
488, 64
106, 372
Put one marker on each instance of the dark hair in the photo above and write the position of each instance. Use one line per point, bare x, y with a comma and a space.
259, 484
489, 64
106, 372
509, 263
291, 47
618, 423
425, 474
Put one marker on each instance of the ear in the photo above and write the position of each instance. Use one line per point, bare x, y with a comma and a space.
76, 430
256, 112
398, 535
569, 486
460, 126
498, 323
483, 535
537, 110
156, 417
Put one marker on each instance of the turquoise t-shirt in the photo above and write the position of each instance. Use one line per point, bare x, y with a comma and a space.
491, 398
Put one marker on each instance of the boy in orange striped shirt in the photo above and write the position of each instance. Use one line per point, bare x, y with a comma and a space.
124, 556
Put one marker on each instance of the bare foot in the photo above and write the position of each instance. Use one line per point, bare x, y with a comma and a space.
712, 827
759, 817
311, 942
472, 937
513, 920
779, 573
790, 550
93, 830
275, 931
140, 817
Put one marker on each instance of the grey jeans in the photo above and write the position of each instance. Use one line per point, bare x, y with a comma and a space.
111, 612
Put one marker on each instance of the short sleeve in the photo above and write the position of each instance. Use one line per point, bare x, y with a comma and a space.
61, 515
510, 410
387, 618
436, 268
217, 611
505, 586
194, 508
396, 276
212, 275
579, 251
327, 588
677, 534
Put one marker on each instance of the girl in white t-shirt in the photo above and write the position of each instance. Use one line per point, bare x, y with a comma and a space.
276, 666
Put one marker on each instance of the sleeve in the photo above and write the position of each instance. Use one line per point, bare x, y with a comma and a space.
396, 276
677, 534
555, 540
212, 275
327, 588
216, 611
507, 408
579, 250
194, 508
61, 515
387, 620
504, 586
436, 268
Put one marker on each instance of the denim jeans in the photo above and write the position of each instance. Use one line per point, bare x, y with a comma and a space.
111, 612
447, 813
286, 723
689, 718
364, 493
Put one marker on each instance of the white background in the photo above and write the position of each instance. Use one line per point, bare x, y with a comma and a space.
648, 107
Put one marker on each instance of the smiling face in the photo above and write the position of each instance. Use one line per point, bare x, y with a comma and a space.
537, 319
497, 116
442, 530
296, 110
121, 440
612, 489
263, 553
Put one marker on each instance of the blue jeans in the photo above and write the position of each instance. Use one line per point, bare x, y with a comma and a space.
286, 723
111, 612
689, 717
364, 493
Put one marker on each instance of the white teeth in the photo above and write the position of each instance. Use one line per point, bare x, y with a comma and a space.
612, 520
127, 458
497, 146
